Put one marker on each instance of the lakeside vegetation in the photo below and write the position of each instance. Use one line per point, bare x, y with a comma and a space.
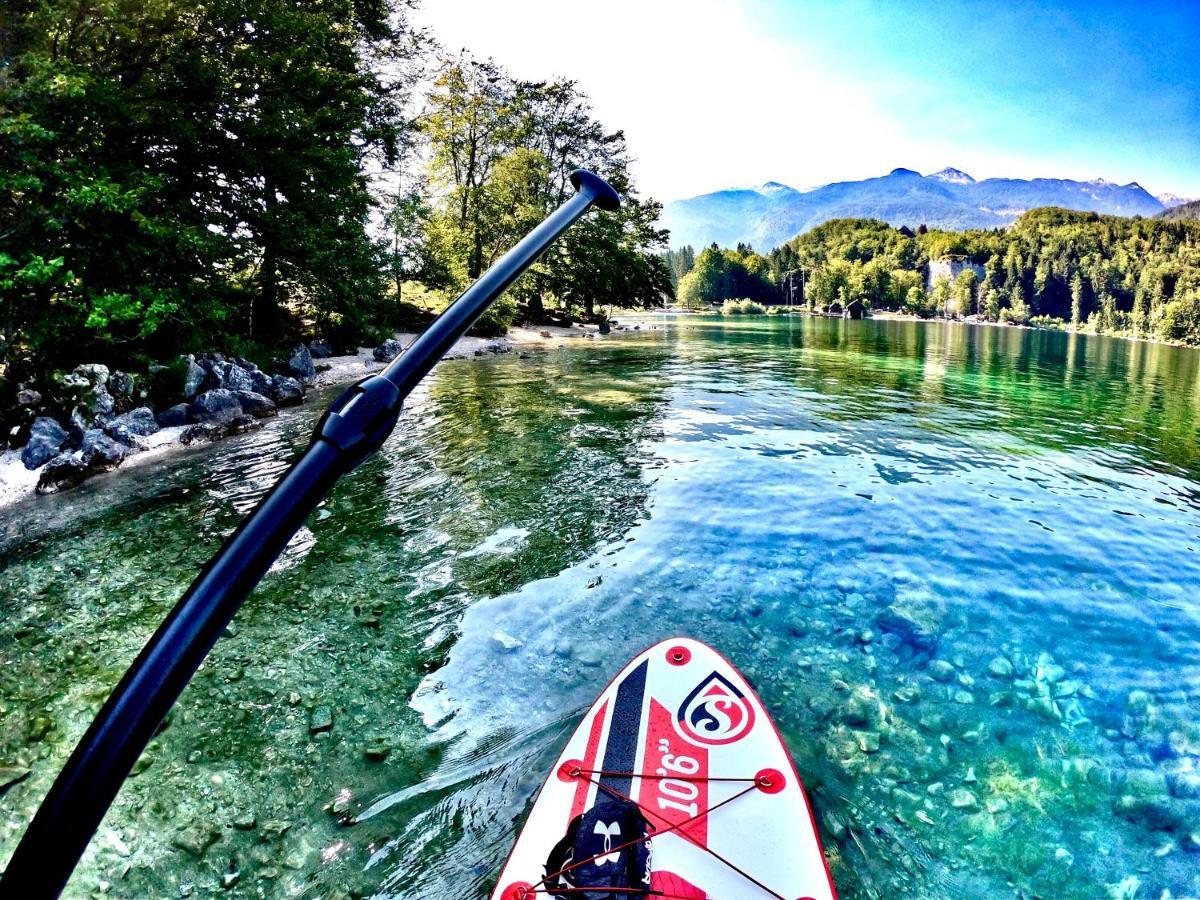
1132, 277
243, 174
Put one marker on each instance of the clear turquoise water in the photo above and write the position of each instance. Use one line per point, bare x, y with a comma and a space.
978, 543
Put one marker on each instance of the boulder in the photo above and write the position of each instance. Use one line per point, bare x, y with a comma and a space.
217, 405
300, 364
120, 386
62, 472
232, 377
286, 391
140, 421
260, 382
916, 620
179, 414
241, 424
95, 404
320, 349
202, 432
193, 378
387, 351
256, 404
46, 438
28, 397
100, 453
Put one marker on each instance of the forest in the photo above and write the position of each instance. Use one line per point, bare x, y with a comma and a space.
1134, 277
241, 174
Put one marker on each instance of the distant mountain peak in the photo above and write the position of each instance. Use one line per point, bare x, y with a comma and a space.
768, 215
954, 176
1168, 199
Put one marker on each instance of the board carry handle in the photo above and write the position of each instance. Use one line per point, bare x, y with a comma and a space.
355, 425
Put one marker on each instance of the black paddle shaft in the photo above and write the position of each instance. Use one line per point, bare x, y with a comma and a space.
355, 425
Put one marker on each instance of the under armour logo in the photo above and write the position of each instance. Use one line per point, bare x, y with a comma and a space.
608, 831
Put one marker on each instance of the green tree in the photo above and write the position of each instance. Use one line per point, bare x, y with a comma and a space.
962, 292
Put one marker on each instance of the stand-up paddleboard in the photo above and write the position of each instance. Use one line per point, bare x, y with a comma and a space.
676, 784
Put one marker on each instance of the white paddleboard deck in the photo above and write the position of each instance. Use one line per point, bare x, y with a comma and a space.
666, 732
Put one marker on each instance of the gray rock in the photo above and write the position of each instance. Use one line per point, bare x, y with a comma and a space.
942, 671
320, 349
868, 741
218, 405
122, 435
96, 402
1000, 668
241, 424
195, 839
387, 351
300, 364
202, 432
46, 438
257, 405
1186, 785
28, 397
232, 377
193, 378
286, 391
120, 386
62, 472
320, 720
100, 453
138, 423
260, 382
916, 624
179, 414
963, 799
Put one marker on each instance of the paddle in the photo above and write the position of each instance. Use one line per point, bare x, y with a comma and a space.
354, 426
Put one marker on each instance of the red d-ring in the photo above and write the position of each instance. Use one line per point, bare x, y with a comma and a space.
570, 770
518, 890
679, 655
770, 781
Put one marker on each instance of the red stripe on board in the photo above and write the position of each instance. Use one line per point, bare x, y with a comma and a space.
675, 800
589, 762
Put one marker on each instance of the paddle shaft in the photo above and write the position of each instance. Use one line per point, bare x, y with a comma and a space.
355, 425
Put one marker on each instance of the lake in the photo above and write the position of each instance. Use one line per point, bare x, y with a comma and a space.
978, 545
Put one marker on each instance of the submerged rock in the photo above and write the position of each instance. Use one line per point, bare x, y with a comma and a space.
201, 432
914, 619
320, 720
195, 839
46, 438
961, 798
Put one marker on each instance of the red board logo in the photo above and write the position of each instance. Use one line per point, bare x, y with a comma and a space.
715, 712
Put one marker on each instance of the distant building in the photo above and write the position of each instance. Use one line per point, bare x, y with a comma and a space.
950, 267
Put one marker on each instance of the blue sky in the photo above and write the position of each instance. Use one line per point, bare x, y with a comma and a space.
713, 93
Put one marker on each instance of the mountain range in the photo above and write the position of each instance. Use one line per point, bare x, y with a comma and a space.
767, 216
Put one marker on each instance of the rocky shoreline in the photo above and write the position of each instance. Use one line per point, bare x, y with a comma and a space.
113, 421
